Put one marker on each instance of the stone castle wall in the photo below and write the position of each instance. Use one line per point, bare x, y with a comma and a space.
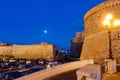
76, 44
43, 51
96, 43
6, 50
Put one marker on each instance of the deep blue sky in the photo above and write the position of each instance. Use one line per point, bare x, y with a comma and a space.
24, 21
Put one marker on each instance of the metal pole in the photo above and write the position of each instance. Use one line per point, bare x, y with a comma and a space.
110, 49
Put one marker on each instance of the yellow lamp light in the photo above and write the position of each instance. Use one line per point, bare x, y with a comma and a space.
116, 23
106, 22
109, 17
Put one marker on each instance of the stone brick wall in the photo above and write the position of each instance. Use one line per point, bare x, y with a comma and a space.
43, 51
94, 18
6, 50
76, 44
33, 51
96, 43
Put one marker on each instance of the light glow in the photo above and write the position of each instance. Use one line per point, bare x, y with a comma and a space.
109, 17
116, 23
106, 22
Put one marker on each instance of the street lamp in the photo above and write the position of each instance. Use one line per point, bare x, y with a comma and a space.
110, 23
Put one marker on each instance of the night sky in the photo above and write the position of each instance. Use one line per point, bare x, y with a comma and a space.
36, 21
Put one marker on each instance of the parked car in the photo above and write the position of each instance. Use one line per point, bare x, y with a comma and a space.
31, 70
21, 65
11, 75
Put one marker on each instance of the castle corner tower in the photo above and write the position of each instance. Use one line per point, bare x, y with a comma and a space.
96, 40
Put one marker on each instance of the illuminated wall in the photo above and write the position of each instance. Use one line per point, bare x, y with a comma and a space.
43, 51
96, 43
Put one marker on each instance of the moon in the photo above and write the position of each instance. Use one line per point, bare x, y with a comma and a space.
45, 31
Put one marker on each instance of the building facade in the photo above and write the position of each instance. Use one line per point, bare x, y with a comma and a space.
96, 41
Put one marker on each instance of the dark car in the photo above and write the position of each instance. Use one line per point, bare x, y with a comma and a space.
11, 75
31, 70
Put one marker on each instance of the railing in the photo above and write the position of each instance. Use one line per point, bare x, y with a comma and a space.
118, 67
42, 75
104, 68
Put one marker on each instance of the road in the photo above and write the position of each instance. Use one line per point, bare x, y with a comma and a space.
71, 75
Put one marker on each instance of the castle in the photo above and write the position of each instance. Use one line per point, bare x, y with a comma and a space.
96, 40
35, 51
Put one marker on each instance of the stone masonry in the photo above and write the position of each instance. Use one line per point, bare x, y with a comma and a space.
96, 41
35, 51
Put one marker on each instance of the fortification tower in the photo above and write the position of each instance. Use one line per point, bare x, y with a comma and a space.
96, 41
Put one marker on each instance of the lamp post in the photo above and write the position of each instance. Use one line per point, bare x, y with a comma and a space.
109, 23
110, 49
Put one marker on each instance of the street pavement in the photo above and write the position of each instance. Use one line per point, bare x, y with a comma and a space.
71, 75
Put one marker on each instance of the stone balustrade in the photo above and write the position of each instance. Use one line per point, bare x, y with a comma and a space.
42, 75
